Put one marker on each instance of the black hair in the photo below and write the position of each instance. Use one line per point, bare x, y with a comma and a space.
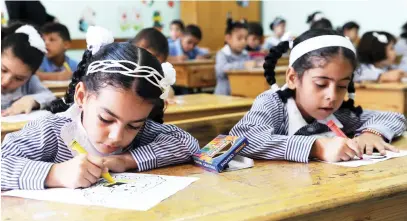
154, 40
321, 24
276, 21
307, 61
370, 49
255, 28
350, 25
58, 28
95, 81
311, 17
20, 47
404, 31
178, 23
233, 25
193, 30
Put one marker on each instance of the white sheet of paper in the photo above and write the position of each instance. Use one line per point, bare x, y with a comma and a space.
141, 191
369, 160
25, 117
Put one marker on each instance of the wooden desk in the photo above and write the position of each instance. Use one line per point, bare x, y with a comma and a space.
251, 83
385, 97
204, 105
57, 87
272, 190
195, 73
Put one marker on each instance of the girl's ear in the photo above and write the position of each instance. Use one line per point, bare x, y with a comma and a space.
80, 94
290, 77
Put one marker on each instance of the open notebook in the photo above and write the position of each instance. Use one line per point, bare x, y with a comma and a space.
25, 117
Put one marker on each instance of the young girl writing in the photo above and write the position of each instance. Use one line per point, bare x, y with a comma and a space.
281, 123
233, 55
115, 102
22, 52
376, 54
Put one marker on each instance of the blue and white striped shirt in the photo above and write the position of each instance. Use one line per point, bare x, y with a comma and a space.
28, 154
266, 126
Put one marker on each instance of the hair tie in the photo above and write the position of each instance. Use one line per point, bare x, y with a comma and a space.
34, 38
97, 37
380, 37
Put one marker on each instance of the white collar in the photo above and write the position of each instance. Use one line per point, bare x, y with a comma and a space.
295, 119
228, 51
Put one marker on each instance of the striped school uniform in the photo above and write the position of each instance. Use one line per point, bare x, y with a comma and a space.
277, 131
27, 155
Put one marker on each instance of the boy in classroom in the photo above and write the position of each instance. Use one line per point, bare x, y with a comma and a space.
279, 34
185, 48
290, 123
117, 139
233, 55
22, 50
56, 66
154, 42
176, 29
351, 30
255, 37
377, 56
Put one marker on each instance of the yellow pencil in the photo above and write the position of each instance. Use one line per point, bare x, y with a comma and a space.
78, 148
67, 67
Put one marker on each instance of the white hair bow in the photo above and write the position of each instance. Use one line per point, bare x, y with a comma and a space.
34, 38
96, 37
381, 38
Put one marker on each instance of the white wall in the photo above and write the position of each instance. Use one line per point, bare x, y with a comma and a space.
387, 15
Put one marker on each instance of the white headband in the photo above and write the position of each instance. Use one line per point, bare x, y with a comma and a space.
317, 43
97, 37
34, 38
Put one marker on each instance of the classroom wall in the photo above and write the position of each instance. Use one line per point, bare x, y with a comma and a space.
387, 15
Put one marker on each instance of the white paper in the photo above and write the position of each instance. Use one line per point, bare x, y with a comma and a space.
367, 160
239, 162
25, 117
141, 191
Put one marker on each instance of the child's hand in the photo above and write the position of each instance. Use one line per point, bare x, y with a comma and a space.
81, 171
64, 75
369, 141
23, 105
250, 64
120, 163
181, 58
335, 149
392, 76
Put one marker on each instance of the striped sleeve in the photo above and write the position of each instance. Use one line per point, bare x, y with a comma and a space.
27, 156
260, 126
163, 145
389, 124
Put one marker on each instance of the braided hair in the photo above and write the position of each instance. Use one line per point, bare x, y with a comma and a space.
96, 81
306, 62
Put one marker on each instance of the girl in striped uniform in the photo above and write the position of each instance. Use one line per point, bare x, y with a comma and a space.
290, 123
115, 103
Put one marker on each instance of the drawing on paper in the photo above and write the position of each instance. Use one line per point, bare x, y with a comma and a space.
132, 186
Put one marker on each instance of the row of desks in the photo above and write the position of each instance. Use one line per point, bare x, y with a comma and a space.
271, 190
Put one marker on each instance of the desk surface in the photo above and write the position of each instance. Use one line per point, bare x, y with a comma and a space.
381, 86
56, 84
272, 190
194, 62
205, 102
256, 71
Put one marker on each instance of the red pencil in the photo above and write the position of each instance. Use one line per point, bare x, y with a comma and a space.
331, 124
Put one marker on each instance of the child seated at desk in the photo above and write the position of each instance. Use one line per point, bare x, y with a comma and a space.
153, 41
109, 110
254, 37
22, 50
185, 48
233, 55
176, 29
377, 55
290, 123
401, 48
56, 66
279, 33
351, 30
